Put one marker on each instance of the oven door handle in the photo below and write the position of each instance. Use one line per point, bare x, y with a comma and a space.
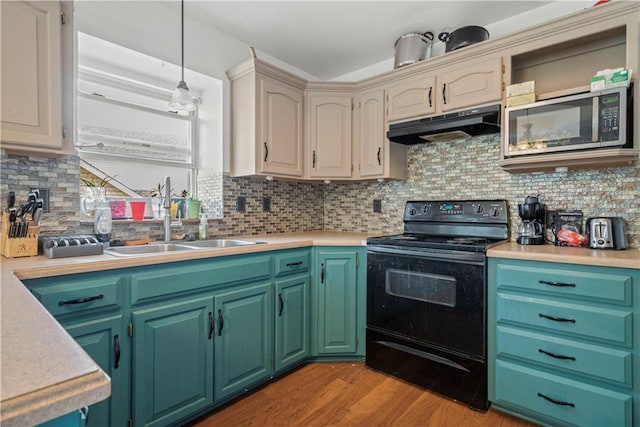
467, 257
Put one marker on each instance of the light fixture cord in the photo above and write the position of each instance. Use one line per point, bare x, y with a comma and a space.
182, 37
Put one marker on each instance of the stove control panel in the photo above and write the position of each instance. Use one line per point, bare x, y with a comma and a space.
485, 211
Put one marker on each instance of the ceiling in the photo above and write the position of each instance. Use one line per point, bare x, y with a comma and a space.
327, 39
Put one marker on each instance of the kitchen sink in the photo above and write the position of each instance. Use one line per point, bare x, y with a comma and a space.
220, 243
154, 248
158, 248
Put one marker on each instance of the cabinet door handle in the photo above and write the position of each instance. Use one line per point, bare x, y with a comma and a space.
281, 305
294, 264
556, 319
210, 325
444, 93
81, 300
313, 160
321, 273
556, 402
116, 346
379, 160
556, 356
430, 89
220, 322
266, 151
559, 284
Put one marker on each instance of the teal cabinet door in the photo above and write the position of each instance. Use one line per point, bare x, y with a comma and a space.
336, 304
172, 361
243, 338
292, 321
105, 340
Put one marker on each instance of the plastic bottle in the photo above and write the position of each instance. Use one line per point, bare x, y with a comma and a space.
203, 228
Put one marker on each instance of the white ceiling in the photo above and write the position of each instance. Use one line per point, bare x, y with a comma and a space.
327, 39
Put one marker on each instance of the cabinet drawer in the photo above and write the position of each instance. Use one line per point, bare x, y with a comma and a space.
583, 282
183, 277
559, 398
589, 360
292, 262
77, 296
580, 320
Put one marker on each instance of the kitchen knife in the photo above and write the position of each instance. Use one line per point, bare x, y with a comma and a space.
11, 200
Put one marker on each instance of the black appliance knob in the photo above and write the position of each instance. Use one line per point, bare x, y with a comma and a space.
413, 211
495, 212
426, 208
480, 209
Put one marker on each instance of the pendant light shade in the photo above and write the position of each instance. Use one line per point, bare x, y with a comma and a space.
181, 99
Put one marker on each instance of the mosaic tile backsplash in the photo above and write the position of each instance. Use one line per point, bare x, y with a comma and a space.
467, 169
461, 169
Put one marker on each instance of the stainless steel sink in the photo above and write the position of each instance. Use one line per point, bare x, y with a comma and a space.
158, 248
220, 243
154, 248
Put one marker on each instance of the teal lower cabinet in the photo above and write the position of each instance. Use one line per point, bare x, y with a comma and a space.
172, 361
339, 290
563, 345
180, 338
105, 341
292, 321
243, 338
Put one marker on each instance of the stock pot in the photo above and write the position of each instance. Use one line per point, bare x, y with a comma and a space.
411, 48
463, 36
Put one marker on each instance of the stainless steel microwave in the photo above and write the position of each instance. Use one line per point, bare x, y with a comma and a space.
577, 122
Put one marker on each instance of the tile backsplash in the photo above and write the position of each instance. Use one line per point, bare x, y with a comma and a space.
460, 169
467, 169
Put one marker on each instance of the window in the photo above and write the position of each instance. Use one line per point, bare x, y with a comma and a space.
126, 133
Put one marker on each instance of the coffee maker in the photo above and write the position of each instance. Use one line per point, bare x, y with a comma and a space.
531, 230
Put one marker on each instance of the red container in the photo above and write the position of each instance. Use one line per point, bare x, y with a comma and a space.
137, 210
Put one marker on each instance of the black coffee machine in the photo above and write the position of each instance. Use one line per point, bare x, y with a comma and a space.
531, 230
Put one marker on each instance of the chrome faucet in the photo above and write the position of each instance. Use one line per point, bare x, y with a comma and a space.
167, 209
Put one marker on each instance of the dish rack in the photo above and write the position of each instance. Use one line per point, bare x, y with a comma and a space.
15, 247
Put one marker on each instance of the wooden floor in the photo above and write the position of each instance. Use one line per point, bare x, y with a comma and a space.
349, 394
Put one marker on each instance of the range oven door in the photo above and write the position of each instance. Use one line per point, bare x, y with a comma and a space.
436, 298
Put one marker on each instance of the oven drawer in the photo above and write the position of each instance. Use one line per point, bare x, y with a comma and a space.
592, 361
592, 283
602, 324
560, 398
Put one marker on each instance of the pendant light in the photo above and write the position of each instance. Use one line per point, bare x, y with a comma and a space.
181, 99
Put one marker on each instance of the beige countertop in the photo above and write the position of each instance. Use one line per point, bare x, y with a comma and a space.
628, 258
45, 373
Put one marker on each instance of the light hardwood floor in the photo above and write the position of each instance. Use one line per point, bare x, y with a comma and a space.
349, 394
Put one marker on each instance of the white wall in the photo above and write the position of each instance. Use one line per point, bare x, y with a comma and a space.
530, 18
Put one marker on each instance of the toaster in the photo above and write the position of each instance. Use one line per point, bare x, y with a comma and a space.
607, 232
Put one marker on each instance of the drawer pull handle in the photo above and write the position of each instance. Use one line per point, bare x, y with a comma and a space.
557, 356
556, 319
210, 325
281, 305
116, 345
294, 264
559, 284
80, 300
556, 402
220, 322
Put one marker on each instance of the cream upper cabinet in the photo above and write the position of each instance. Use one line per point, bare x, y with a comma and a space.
411, 98
329, 134
470, 85
31, 55
281, 128
266, 121
376, 156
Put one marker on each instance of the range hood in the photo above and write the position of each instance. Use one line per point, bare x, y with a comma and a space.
462, 124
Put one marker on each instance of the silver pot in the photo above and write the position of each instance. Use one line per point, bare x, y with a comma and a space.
411, 48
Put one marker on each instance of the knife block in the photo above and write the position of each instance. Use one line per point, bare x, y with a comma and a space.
18, 246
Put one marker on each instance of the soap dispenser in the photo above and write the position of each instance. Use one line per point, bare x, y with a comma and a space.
203, 228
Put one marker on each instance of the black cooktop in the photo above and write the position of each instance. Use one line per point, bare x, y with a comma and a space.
468, 225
